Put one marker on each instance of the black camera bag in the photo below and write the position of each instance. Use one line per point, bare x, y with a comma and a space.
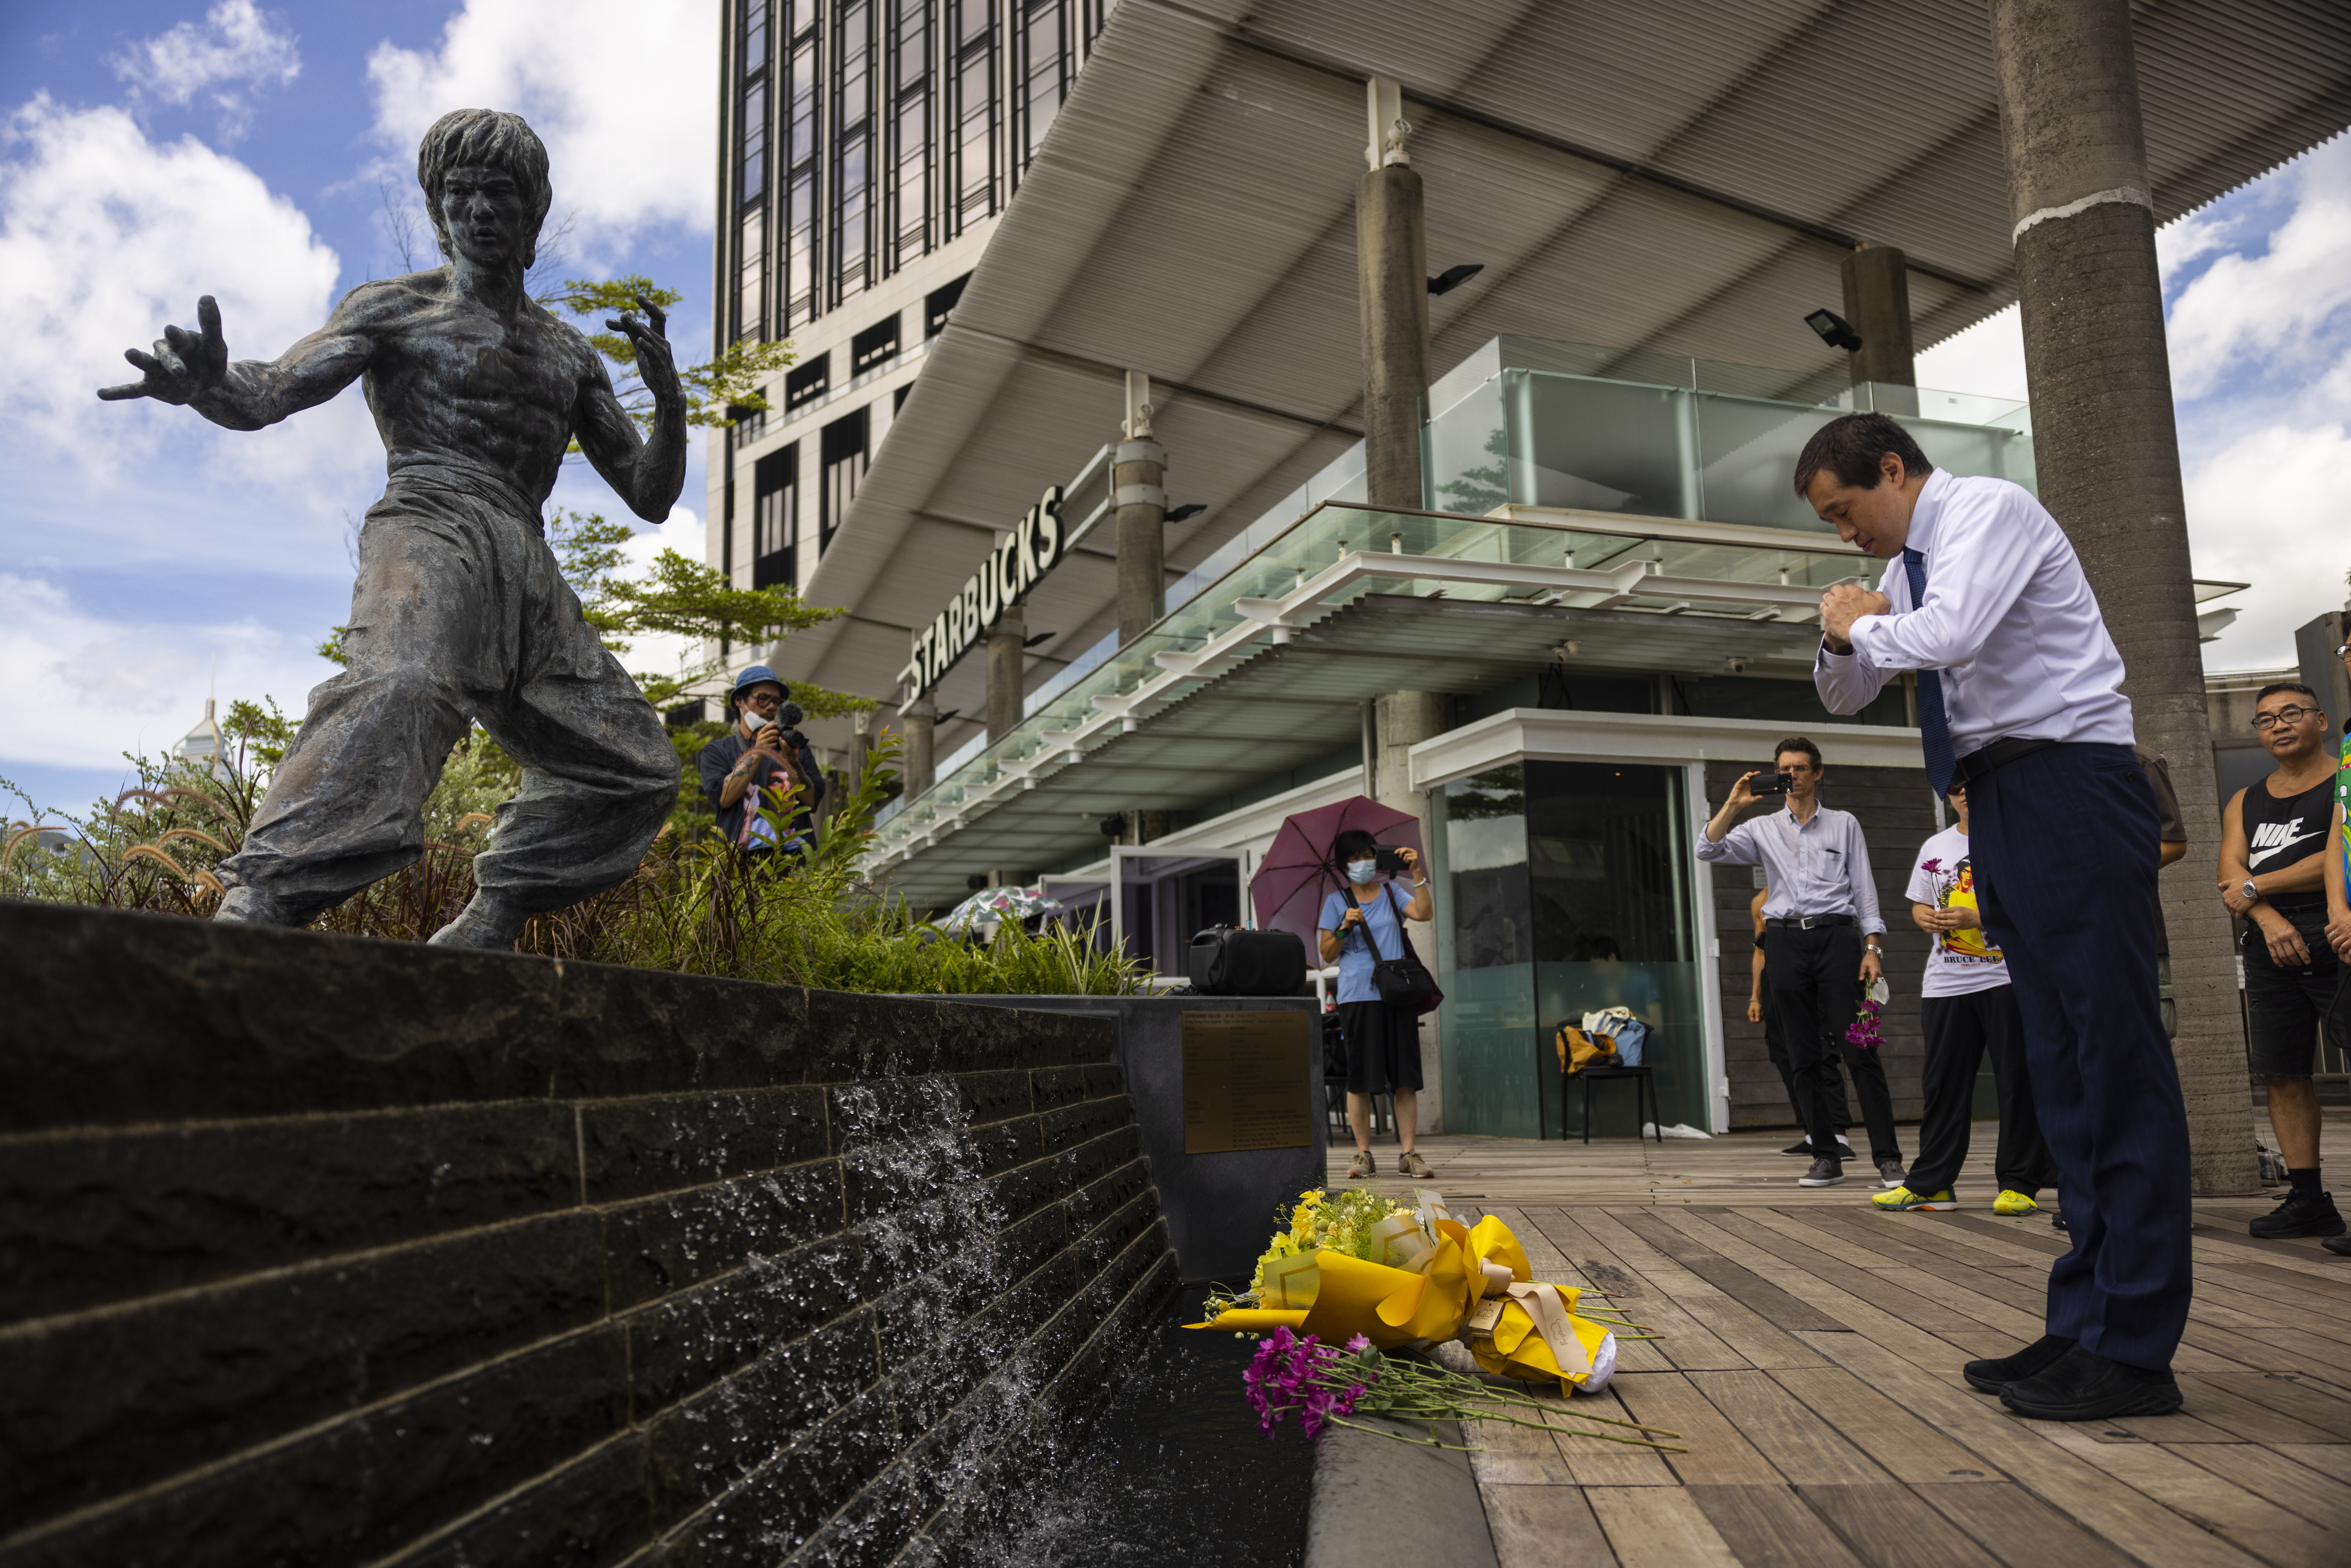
1227, 961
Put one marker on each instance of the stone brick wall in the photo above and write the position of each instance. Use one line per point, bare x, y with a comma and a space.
1896, 808
322, 1250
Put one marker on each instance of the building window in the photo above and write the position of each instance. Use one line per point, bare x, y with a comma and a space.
972, 112
774, 518
751, 172
1041, 71
898, 399
809, 382
1097, 11
852, 147
940, 305
912, 205
874, 346
798, 300
844, 467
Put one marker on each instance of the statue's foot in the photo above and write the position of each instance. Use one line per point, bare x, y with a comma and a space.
251, 906
489, 922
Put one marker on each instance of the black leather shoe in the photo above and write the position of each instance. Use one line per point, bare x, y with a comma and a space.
2338, 1245
2301, 1214
1991, 1376
2084, 1386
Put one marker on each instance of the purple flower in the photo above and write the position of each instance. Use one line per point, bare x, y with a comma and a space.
1318, 1410
1357, 1345
1932, 867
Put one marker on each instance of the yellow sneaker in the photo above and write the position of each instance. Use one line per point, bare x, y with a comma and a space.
1903, 1199
2009, 1202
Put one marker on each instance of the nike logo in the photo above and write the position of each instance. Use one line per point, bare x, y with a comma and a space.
2258, 856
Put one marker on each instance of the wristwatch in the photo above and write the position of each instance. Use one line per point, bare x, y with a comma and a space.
1873, 948
2252, 892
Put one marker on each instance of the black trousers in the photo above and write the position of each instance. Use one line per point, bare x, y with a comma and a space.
2063, 846
1815, 989
1775, 1043
1959, 1030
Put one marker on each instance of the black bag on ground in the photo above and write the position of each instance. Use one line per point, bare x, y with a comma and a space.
1334, 1048
1227, 961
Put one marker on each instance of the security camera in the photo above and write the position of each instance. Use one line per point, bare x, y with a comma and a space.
1735, 664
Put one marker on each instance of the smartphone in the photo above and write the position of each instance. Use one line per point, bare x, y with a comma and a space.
1767, 784
1390, 861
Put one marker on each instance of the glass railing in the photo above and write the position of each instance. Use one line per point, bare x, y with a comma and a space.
1291, 561
1528, 423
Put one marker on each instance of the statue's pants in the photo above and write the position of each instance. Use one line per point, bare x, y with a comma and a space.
460, 615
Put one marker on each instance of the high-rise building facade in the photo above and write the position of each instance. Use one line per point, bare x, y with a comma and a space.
865, 149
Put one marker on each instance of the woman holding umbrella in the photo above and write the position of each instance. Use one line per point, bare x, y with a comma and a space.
1361, 925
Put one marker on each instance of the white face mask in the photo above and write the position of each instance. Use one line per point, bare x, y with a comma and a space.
754, 721
1360, 871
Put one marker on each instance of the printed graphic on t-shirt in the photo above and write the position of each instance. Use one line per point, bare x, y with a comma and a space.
1956, 889
2269, 838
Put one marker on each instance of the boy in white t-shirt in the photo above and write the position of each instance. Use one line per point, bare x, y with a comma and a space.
1967, 1008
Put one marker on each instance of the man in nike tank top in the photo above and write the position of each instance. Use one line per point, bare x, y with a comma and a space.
2274, 848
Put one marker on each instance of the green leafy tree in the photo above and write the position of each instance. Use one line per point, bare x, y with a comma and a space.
715, 391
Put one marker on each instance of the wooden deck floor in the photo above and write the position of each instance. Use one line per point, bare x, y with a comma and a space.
1811, 1363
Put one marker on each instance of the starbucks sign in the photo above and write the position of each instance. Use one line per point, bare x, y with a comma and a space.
1021, 558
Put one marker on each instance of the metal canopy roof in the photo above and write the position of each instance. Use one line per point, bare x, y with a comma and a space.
1292, 703
1683, 176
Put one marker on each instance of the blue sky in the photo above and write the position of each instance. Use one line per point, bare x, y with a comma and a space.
149, 153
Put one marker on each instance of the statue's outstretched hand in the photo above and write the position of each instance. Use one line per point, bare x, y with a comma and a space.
184, 364
655, 366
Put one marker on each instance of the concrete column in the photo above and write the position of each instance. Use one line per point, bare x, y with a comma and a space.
2107, 452
918, 762
1006, 661
1877, 303
1392, 283
1138, 479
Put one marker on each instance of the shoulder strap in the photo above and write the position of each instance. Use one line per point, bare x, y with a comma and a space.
1404, 928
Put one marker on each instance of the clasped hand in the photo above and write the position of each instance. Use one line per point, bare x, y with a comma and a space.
1842, 606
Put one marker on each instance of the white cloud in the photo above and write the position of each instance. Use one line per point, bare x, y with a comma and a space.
230, 52
2267, 510
621, 95
1987, 359
83, 688
2285, 309
104, 238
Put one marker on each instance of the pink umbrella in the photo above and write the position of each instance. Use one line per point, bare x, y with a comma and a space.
1296, 873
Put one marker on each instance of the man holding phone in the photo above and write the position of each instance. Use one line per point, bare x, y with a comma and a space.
1820, 927
757, 754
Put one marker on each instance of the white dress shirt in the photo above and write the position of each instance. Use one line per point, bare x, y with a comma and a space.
2009, 620
1820, 867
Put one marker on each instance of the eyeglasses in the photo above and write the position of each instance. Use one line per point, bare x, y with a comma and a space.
762, 700
2264, 721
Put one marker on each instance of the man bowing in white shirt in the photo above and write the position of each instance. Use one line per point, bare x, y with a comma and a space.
2021, 702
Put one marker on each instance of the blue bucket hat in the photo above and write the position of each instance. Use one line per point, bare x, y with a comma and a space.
752, 675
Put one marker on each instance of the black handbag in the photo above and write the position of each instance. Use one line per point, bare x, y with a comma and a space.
1227, 961
1402, 982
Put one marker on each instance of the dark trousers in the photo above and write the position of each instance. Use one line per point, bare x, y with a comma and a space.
1960, 1031
2063, 844
1775, 1043
1816, 990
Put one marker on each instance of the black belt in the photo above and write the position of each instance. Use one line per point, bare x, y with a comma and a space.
1806, 922
1999, 754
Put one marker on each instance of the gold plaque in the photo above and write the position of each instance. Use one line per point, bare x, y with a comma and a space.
1245, 1082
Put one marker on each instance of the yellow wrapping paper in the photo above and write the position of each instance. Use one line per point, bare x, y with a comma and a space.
1536, 1336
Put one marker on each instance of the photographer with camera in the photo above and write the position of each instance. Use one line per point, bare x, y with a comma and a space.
1362, 925
1820, 927
762, 763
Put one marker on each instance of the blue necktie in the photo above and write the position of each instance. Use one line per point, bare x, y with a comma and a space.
1934, 723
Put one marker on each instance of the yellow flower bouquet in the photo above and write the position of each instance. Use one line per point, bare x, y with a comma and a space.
1399, 1275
